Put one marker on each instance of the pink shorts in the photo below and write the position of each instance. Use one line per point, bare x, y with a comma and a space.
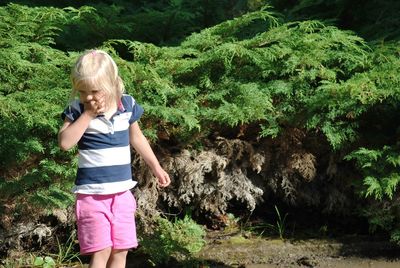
106, 221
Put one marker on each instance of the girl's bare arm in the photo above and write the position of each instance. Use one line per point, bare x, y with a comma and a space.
142, 146
71, 132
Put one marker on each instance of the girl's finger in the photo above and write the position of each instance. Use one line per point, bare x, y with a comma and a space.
100, 110
99, 96
101, 103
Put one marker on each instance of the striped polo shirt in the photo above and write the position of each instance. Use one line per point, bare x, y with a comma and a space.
104, 163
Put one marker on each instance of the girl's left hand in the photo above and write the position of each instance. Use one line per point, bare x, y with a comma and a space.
162, 176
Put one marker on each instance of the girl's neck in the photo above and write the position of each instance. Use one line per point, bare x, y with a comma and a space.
111, 110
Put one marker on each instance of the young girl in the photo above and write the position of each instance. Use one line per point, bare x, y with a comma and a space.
103, 122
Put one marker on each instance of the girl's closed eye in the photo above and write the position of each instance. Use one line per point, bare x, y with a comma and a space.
83, 95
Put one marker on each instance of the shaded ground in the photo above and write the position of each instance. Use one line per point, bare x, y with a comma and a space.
239, 251
246, 251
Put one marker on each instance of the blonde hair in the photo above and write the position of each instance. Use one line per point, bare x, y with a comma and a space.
95, 69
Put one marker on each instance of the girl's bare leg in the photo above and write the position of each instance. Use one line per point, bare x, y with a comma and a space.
99, 258
117, 258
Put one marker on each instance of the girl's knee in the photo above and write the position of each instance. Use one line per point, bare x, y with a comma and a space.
118, 258
100, 258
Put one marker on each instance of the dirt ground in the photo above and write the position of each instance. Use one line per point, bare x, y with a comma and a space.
243, 250
256, 252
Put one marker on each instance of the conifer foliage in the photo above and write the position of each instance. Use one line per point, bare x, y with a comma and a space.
33, 86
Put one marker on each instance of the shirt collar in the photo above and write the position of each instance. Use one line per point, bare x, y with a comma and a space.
121, 107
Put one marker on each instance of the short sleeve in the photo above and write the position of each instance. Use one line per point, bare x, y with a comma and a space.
73, 111
137, 112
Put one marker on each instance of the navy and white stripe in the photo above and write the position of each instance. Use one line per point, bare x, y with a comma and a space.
104, 163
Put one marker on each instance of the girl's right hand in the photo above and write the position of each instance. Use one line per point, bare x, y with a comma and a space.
95, 104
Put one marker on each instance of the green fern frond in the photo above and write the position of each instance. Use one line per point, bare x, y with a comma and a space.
390, 184
374, 188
